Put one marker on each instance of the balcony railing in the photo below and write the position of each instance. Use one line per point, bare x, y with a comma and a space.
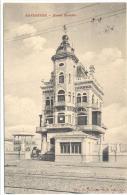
41, 129
59, 125
93, 128
54, 126
62, 103
48, 107
82, 104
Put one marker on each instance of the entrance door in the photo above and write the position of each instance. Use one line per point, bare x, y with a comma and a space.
105, 154
52, 145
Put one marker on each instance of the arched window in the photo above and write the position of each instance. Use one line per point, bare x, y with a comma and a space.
61, 117
78, 98
61, 77
61, 96
84, 97
69, 97
82, 119
61, 64
69, 78
92, 99
47, 101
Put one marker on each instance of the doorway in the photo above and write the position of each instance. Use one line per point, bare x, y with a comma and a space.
106, 154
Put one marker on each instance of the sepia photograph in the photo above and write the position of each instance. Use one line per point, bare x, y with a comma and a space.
65, 98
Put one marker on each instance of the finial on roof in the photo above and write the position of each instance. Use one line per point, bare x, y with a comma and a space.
65, 36
65, 29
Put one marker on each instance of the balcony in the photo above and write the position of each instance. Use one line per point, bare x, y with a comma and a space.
41, 129
62, 103
59, 126
49, 107
82, 104
91, 128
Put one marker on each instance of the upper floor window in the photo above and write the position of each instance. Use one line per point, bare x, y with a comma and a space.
47, 101
79, 98
84, 97
61, 118
82, 119
61, 95
61, 77
49, 119
61, 64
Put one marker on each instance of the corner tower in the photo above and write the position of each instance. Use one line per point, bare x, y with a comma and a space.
65, 62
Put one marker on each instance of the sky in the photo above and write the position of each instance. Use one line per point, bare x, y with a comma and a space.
96, 31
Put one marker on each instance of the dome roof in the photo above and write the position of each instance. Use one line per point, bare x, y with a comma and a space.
65, 50
64, 46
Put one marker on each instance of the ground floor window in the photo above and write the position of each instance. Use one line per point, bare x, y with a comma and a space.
76, 147
70, 147
65, 147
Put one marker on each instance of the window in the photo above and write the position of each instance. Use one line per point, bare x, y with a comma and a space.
47, 101
61, 118
69, 97
96, 118
52, 144
65, 147
69, 78
76, 147
79, 98
61, 77
82, 119
84, 97
52, 141
70, 147
49, 119
61, 64
61, 96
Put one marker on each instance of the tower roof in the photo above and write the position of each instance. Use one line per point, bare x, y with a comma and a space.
65, 50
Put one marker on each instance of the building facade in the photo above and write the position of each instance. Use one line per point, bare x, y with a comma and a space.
71, 119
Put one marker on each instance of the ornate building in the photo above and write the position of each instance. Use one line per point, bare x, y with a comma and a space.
70, 123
